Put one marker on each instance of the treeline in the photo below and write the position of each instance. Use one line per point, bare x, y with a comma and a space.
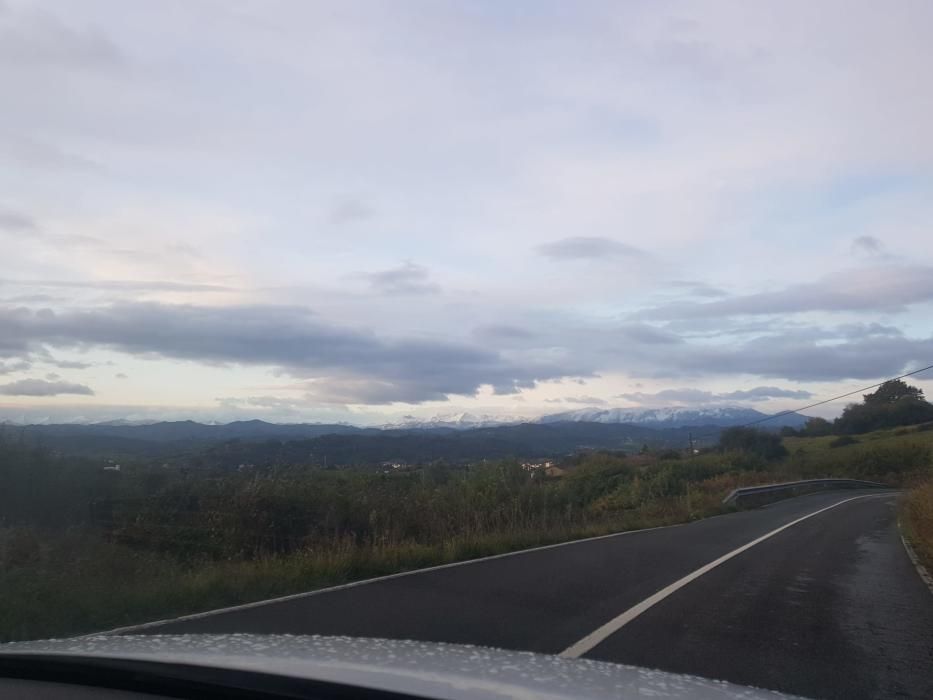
894, 404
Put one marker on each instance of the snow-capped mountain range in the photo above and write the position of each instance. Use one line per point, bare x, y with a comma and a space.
455, 421
672, 417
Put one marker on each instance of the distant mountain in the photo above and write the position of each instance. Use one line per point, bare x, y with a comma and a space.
373, 450
453, 421
460, 436
165, 437
721, 416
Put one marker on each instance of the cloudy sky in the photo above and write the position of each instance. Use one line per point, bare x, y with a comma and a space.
362, 210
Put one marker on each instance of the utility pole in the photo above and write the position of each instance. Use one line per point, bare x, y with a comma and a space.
691, 443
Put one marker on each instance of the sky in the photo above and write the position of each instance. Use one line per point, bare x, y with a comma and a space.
359, 211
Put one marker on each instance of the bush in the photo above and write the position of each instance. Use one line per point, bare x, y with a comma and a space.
757, 442
843, 440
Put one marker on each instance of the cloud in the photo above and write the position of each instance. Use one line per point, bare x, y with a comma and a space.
880, 288
698, 289
53, 376
70, 364
700, 396
670, 396
649, 335
120, 375
350, 210
586, 400
288, 406
588, 248
407, 278
32, 38
15, 366
867, 245
797, 357
120, 285
347, 366
501, 331
763, 393
16, 223
41, 387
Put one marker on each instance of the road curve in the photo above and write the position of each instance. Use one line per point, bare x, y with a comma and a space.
830, 607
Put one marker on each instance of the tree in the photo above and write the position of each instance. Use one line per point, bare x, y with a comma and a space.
895, 403
764, 444
817, 427
893, 391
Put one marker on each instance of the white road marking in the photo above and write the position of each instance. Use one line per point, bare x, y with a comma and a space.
378, 579
614, 625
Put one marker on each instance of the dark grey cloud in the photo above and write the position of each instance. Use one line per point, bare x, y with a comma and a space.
879, 288
69, 364
42, 387
867, 245
776, 350
797, 357
407, 278
589, 248
347, 365
14, 222
11, 367
650, 335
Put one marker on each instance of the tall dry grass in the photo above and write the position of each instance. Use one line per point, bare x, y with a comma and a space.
917, 517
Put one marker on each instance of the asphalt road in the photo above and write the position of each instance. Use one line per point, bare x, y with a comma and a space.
830, 607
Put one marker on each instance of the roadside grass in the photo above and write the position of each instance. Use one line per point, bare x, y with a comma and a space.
917, 521
918, 434
67, 583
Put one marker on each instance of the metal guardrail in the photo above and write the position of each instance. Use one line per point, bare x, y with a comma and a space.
773, 492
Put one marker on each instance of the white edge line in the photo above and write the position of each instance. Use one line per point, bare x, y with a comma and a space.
921, 569
615, 624
362, 582
377, 579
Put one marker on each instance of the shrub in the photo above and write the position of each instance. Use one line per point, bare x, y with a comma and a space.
758, 442
843, 440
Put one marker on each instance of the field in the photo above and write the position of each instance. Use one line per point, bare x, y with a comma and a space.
177, 543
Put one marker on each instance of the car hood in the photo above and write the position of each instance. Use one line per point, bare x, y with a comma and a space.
448, 671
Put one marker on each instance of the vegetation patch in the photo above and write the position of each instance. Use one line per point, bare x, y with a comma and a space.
917, 521
86, 545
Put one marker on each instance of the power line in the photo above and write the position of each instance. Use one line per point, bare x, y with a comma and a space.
820, 403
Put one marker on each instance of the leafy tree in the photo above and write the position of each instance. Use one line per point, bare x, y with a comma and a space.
893, 391
758, 442
895, 403
817, 427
